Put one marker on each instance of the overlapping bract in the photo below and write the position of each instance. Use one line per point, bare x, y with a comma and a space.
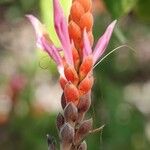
76, 65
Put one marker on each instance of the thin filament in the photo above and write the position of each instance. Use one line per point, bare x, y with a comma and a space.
117, 48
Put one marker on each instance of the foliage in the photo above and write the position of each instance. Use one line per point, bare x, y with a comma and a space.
17, 9
142, 10
119, 8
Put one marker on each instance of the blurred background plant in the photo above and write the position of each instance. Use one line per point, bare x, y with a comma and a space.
30, 96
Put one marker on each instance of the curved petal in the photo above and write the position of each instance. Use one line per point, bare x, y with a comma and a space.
54, 54
52, 51
61, 28
87, 50
44, 42
103, 42
40, 31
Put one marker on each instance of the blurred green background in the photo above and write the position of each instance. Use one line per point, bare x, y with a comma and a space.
29, 91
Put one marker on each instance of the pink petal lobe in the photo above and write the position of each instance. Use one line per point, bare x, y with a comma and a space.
87, 47
44, 42
103, 42
39, 29
52, 51
36, 24
61, 28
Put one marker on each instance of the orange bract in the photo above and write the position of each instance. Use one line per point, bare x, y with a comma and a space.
76, 11
85, 85
76, 58
87, 4
86, 21
80, 17
85, 67
71, 93
74, 31
79, 78
62, 82
71, 74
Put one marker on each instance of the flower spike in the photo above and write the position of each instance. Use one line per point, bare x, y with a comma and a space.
75, 67
103, 42
62, 31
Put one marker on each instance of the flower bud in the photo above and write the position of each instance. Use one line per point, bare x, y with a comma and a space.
85, 67
71, 93
70, 113
83, 130
60, 121
83, 146
85, 127
63, 101
84, 103
71, 74
66, 136
85, 85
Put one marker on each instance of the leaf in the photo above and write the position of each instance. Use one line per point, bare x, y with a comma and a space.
5, 1
27, 5
118, 8
142, 10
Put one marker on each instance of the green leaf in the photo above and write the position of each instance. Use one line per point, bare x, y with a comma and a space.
28, 4
118, 8
5, 1
143, 10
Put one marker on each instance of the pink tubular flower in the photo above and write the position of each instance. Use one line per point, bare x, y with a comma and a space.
101, 44
75, 66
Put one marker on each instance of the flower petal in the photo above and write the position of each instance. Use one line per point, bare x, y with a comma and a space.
39, 29
61, 28
103, 42
52, 51
40, 32
44, 42
87, 47
54, 54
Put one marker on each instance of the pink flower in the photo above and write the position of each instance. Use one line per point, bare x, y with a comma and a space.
61, 28
101, 44
70, 73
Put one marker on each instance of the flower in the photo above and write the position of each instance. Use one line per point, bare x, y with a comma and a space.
75, 69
